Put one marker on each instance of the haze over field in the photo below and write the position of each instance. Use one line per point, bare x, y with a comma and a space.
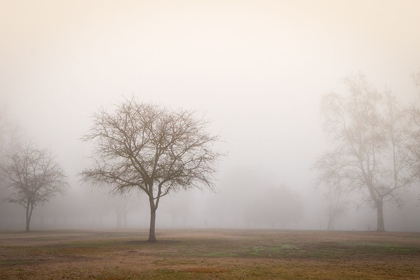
256, 69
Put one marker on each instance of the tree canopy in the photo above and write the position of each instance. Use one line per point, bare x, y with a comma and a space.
33, 177
370, 149
151, 148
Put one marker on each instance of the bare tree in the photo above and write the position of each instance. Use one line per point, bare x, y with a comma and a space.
33, 177
153, 149
123, 204
329, 182
369, 151
336, 205
275, 207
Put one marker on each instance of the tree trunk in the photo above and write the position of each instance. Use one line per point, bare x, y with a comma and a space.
28, 220
29, 209
380, 216
330, 224
152, 236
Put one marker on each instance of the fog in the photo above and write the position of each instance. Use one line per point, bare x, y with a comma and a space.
256, 69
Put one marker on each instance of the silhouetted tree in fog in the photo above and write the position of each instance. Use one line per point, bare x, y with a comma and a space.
334, 191
369, 150
33, 177
336, 205
151, 148
180, 208
122, 204
275, 207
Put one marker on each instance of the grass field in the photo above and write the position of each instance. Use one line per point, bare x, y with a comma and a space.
209, 254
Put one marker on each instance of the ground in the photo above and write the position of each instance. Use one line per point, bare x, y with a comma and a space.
209, 254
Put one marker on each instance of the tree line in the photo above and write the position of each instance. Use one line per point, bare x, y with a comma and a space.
137, 146
374, 151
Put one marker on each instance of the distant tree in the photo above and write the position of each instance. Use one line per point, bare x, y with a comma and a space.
275, 207
329, 183
153, 149
33, 177
179, 206
369, 150
123, 204
336, 205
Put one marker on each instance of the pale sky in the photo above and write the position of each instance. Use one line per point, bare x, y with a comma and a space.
256, 68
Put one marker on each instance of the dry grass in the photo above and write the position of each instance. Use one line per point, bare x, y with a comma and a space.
209, 254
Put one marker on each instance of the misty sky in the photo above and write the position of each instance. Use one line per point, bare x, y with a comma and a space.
256, 68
